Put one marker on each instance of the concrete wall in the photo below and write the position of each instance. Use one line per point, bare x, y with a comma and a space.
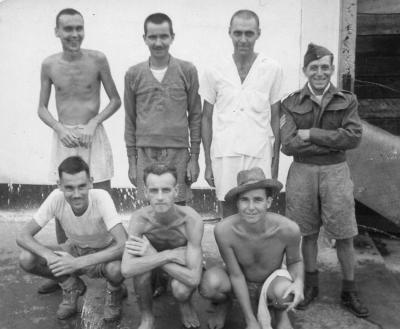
115, 27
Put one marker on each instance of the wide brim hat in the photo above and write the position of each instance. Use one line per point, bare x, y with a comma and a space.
252, 179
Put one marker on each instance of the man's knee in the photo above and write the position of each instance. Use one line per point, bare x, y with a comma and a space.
141, 280
181, 291
276, 292
344, 243
215, 284
113, 272
27, 260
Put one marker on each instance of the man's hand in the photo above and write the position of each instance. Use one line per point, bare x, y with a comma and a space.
209, 176
192, 171
68, 136
295, 289
139, 246
65, 264
87, 132
253, 325
304, 134
132, 172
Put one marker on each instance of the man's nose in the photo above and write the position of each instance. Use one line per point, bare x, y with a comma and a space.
242, 38
159, 194
158, 42
75, 193
251, 205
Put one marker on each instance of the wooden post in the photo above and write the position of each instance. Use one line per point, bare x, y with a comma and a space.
347, 46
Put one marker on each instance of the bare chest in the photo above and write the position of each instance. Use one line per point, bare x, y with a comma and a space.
167, 238
75, 79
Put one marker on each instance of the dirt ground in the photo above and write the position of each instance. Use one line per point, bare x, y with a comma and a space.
22, 308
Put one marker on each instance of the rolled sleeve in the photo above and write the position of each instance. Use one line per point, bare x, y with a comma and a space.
46, 211
344, 138
108, 211
207, 87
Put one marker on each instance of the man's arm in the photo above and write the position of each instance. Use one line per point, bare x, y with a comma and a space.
295, 266
68, 137
292, 143
190, 273
130, 128
206, 135
236, 276
139, 255
194, 118
68, 264
275, 110
348, 136
27, 241
115, 101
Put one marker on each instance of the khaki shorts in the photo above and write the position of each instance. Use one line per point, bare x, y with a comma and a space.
92, 271
176, 157
321, 195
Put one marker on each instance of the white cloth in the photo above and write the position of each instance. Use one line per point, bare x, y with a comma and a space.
91, 230
225, 170
263, 316
98, 156
242, 111
159, 74
242, 133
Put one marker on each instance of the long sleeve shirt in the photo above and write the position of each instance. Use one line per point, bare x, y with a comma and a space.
334, 126
162, 114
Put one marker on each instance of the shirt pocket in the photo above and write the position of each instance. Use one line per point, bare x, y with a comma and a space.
303, 116
177, 92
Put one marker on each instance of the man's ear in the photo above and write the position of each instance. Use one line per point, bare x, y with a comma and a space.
269, 201
59, 184
56, 32
91, 182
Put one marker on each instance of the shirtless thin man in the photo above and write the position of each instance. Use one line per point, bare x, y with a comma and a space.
167, 236
77, 75
253, 244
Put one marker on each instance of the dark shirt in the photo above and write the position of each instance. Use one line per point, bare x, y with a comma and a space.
334, 126
161, 114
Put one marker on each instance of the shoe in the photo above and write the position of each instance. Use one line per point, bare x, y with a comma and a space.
113, 303
352, 302
48, 287
310, 293
68, 306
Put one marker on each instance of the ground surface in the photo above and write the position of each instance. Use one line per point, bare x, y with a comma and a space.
22, 308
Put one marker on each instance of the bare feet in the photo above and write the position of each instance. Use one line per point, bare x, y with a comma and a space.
217, 321
147, 322
189, 315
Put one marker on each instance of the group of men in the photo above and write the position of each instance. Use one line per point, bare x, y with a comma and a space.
242, 125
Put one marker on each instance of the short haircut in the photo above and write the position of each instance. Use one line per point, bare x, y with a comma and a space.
158, 18
159, 168
73, 165
67, 11
246, 14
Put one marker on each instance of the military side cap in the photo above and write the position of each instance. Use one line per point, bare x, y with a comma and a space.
315, 52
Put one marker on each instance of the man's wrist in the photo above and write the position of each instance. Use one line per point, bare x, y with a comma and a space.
57, 126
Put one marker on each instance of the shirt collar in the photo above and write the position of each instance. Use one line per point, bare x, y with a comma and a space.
329, 90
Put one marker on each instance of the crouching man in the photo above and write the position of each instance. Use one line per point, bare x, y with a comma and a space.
253, 244
167, 236
95, 242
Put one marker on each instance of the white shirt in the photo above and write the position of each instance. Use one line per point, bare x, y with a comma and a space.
159, 73
91, 229
242, 111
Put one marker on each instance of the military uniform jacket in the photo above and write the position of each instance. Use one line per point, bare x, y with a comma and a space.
335, 126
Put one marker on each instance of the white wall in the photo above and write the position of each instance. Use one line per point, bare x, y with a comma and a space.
116, 28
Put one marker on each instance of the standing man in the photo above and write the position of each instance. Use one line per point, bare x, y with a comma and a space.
162, 107
95, 242
318, 125
240, 122
77, 75
253, 244
164, 236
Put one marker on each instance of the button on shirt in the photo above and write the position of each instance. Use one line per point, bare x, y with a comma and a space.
242, 111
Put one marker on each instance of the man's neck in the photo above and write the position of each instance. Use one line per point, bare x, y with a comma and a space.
71, 55
159, 63
244, 60
166, 218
